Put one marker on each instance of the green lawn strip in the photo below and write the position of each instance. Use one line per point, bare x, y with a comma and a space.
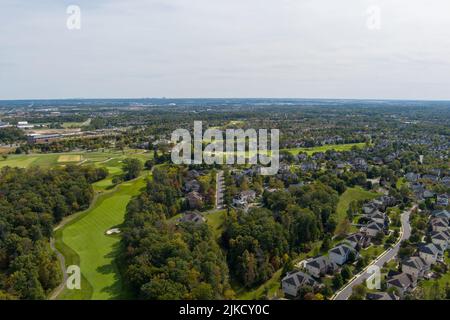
351, 194
335, 147
426, 285
216, 220
97, 252
72, 258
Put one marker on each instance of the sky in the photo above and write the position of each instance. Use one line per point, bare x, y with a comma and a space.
375, 49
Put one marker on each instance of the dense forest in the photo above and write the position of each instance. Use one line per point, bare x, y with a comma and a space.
32, 202
167, 260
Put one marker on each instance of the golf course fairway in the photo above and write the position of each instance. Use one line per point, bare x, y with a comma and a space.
83, 241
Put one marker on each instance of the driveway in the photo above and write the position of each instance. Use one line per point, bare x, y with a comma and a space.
386, 256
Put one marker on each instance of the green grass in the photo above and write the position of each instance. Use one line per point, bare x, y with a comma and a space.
109, 158
443, 280
18, 161
335, 147
400, 183
351, 194
216, 220
84, 241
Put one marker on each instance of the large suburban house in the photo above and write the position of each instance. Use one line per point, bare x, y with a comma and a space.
415, 266
244, 198
320, 266
441, 214
440, 239
193, 217
382, 296
402, 282
412, 177
439, 224
292, 282
195, 200
342, 253
373, 228
429, 253
358, 240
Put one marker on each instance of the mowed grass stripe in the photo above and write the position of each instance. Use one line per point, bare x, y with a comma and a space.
97, 251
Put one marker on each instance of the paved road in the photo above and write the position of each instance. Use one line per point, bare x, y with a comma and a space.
62, 263
219, 190
386, 256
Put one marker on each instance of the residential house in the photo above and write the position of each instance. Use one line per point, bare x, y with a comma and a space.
360, 164
373, 228
440, 238
402, 282
320, 266
195, 200
412, 177
429, 253
292, 283
442, 200
427, 194
342, 253
382, 296
439, 224
358, 240
441, 214
193, 217
308, 166
415, 266
192, 185
244, 198
378, 217
430, 177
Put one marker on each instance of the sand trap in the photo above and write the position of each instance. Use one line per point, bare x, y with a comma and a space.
113, 231
70, 158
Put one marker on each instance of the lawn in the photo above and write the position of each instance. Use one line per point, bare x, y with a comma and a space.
215, 220
110, 158
443, 280
19, 161
348, 196
84, 241
335, 147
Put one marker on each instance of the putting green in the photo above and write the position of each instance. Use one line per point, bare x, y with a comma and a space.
85, 236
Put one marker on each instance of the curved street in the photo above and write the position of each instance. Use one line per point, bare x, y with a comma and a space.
386, 256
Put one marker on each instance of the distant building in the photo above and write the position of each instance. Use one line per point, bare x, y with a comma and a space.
193, 217
24, 125
43, 138
292, 283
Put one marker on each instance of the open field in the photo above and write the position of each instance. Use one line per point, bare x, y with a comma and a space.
351, 194
83, 241
108, 158
443, 281
335, 147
